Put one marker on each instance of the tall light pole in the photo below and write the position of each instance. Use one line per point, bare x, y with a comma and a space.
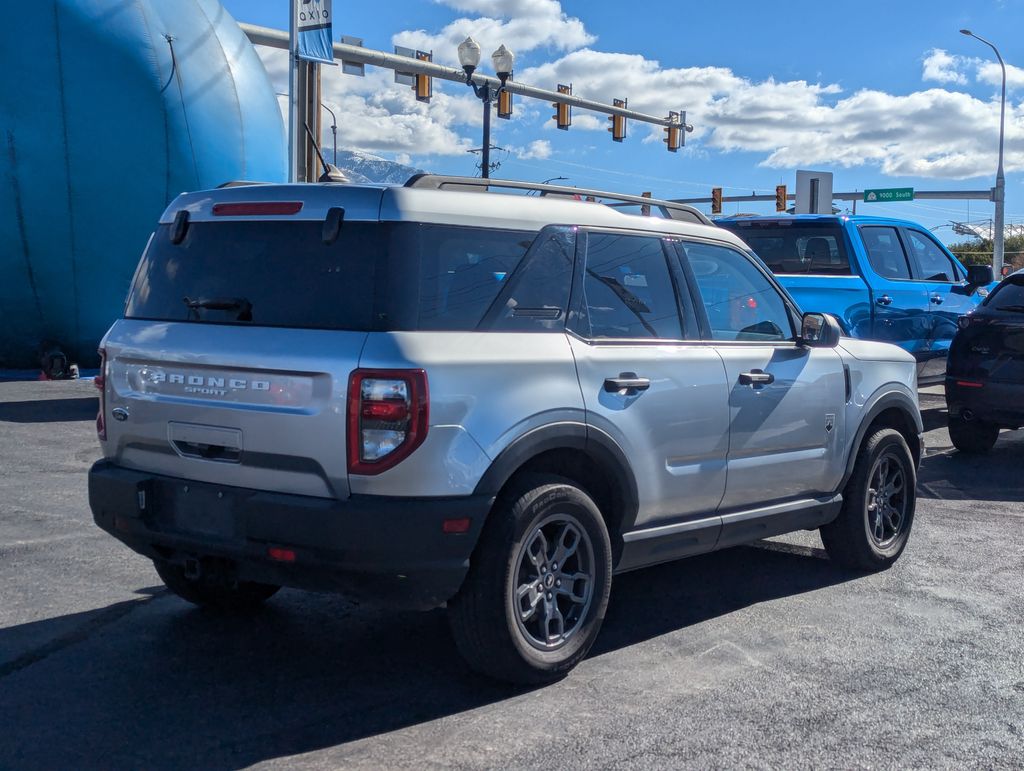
1000, 189
469, 58
334, 130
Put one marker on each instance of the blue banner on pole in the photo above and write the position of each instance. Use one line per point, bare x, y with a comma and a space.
313, 24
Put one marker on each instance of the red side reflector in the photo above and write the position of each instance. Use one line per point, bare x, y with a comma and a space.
278, 554
969, 384
256, 208
751, 303
454, 526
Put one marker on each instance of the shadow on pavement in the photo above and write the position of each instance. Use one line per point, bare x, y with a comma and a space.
994, 476
169, 685
50, 410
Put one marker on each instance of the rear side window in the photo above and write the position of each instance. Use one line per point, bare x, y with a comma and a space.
885, 252
461, 270
261, 273
792, 248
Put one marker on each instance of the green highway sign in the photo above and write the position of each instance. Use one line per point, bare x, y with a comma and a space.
887, 195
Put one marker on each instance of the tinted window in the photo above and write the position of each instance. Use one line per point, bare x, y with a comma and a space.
628, 291
262, 273
741, 303
1007, 296
462, 270
789, 248
932, 262
885, 252
535, 297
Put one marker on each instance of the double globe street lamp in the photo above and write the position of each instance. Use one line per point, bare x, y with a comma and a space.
502, 59
1000, 188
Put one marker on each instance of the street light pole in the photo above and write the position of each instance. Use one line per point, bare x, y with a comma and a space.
469, 58
999, 193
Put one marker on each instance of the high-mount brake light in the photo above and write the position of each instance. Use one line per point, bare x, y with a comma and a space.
388, 415
101, 382
256, 208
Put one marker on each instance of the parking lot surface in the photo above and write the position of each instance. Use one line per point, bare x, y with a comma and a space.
757, 656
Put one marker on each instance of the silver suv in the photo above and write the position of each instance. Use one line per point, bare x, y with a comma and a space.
493, 396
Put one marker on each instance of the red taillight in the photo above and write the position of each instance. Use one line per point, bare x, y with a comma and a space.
256, 208
388, 414
279, 554
100, 382
751, 303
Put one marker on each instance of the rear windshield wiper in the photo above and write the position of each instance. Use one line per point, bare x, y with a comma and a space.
240, 304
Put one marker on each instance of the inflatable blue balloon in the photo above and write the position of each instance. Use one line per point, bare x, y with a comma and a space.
108, 110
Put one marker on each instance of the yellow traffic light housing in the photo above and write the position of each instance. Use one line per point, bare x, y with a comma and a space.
504, 104
780, 198
716, 200
563, 112
673, 133
618, 127
424, 85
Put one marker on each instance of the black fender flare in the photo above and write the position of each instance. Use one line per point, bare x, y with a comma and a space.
885, 401
597, 445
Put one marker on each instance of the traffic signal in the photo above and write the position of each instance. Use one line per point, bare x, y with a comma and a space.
716, 200
645, 208
618, 127
424, 85
563, 113
504, 104
673, 133
780, 198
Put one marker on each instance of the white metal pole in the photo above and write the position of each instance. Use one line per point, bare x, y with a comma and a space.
293, 96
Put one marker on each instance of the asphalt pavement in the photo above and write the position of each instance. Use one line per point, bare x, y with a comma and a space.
760, 656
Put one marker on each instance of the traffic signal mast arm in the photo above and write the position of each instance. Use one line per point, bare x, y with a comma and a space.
266, 36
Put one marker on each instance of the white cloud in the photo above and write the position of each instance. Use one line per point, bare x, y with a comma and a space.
522, 25
943, 67
539, 149
990, 72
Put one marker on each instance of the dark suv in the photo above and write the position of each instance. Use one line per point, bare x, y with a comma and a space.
985, 376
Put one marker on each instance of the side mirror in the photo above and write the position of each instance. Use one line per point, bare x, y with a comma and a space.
819, 330
979, 275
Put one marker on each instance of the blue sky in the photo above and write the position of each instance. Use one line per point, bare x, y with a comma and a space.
884, 94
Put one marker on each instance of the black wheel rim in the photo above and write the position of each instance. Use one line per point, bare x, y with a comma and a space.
886, 502
553, 582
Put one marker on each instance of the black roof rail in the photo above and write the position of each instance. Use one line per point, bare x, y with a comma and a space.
669, 209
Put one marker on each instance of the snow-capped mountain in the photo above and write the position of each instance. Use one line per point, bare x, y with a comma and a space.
363, 167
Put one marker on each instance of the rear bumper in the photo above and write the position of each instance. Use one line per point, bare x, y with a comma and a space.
387, 549
993, 401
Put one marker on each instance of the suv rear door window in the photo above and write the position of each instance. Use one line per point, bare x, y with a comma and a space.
628, 291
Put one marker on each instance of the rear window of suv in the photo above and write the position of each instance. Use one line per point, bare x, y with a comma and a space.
372, 276
792, 248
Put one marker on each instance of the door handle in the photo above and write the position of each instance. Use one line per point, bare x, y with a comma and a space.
756, 377
884, 300
627, 382
937, 299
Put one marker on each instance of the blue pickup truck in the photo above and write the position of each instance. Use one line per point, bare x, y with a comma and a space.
884, 279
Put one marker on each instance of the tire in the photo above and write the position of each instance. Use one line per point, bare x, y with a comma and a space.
503, 625
870, 534
226, 597
973, 437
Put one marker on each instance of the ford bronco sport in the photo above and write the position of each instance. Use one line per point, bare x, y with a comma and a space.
445, 394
